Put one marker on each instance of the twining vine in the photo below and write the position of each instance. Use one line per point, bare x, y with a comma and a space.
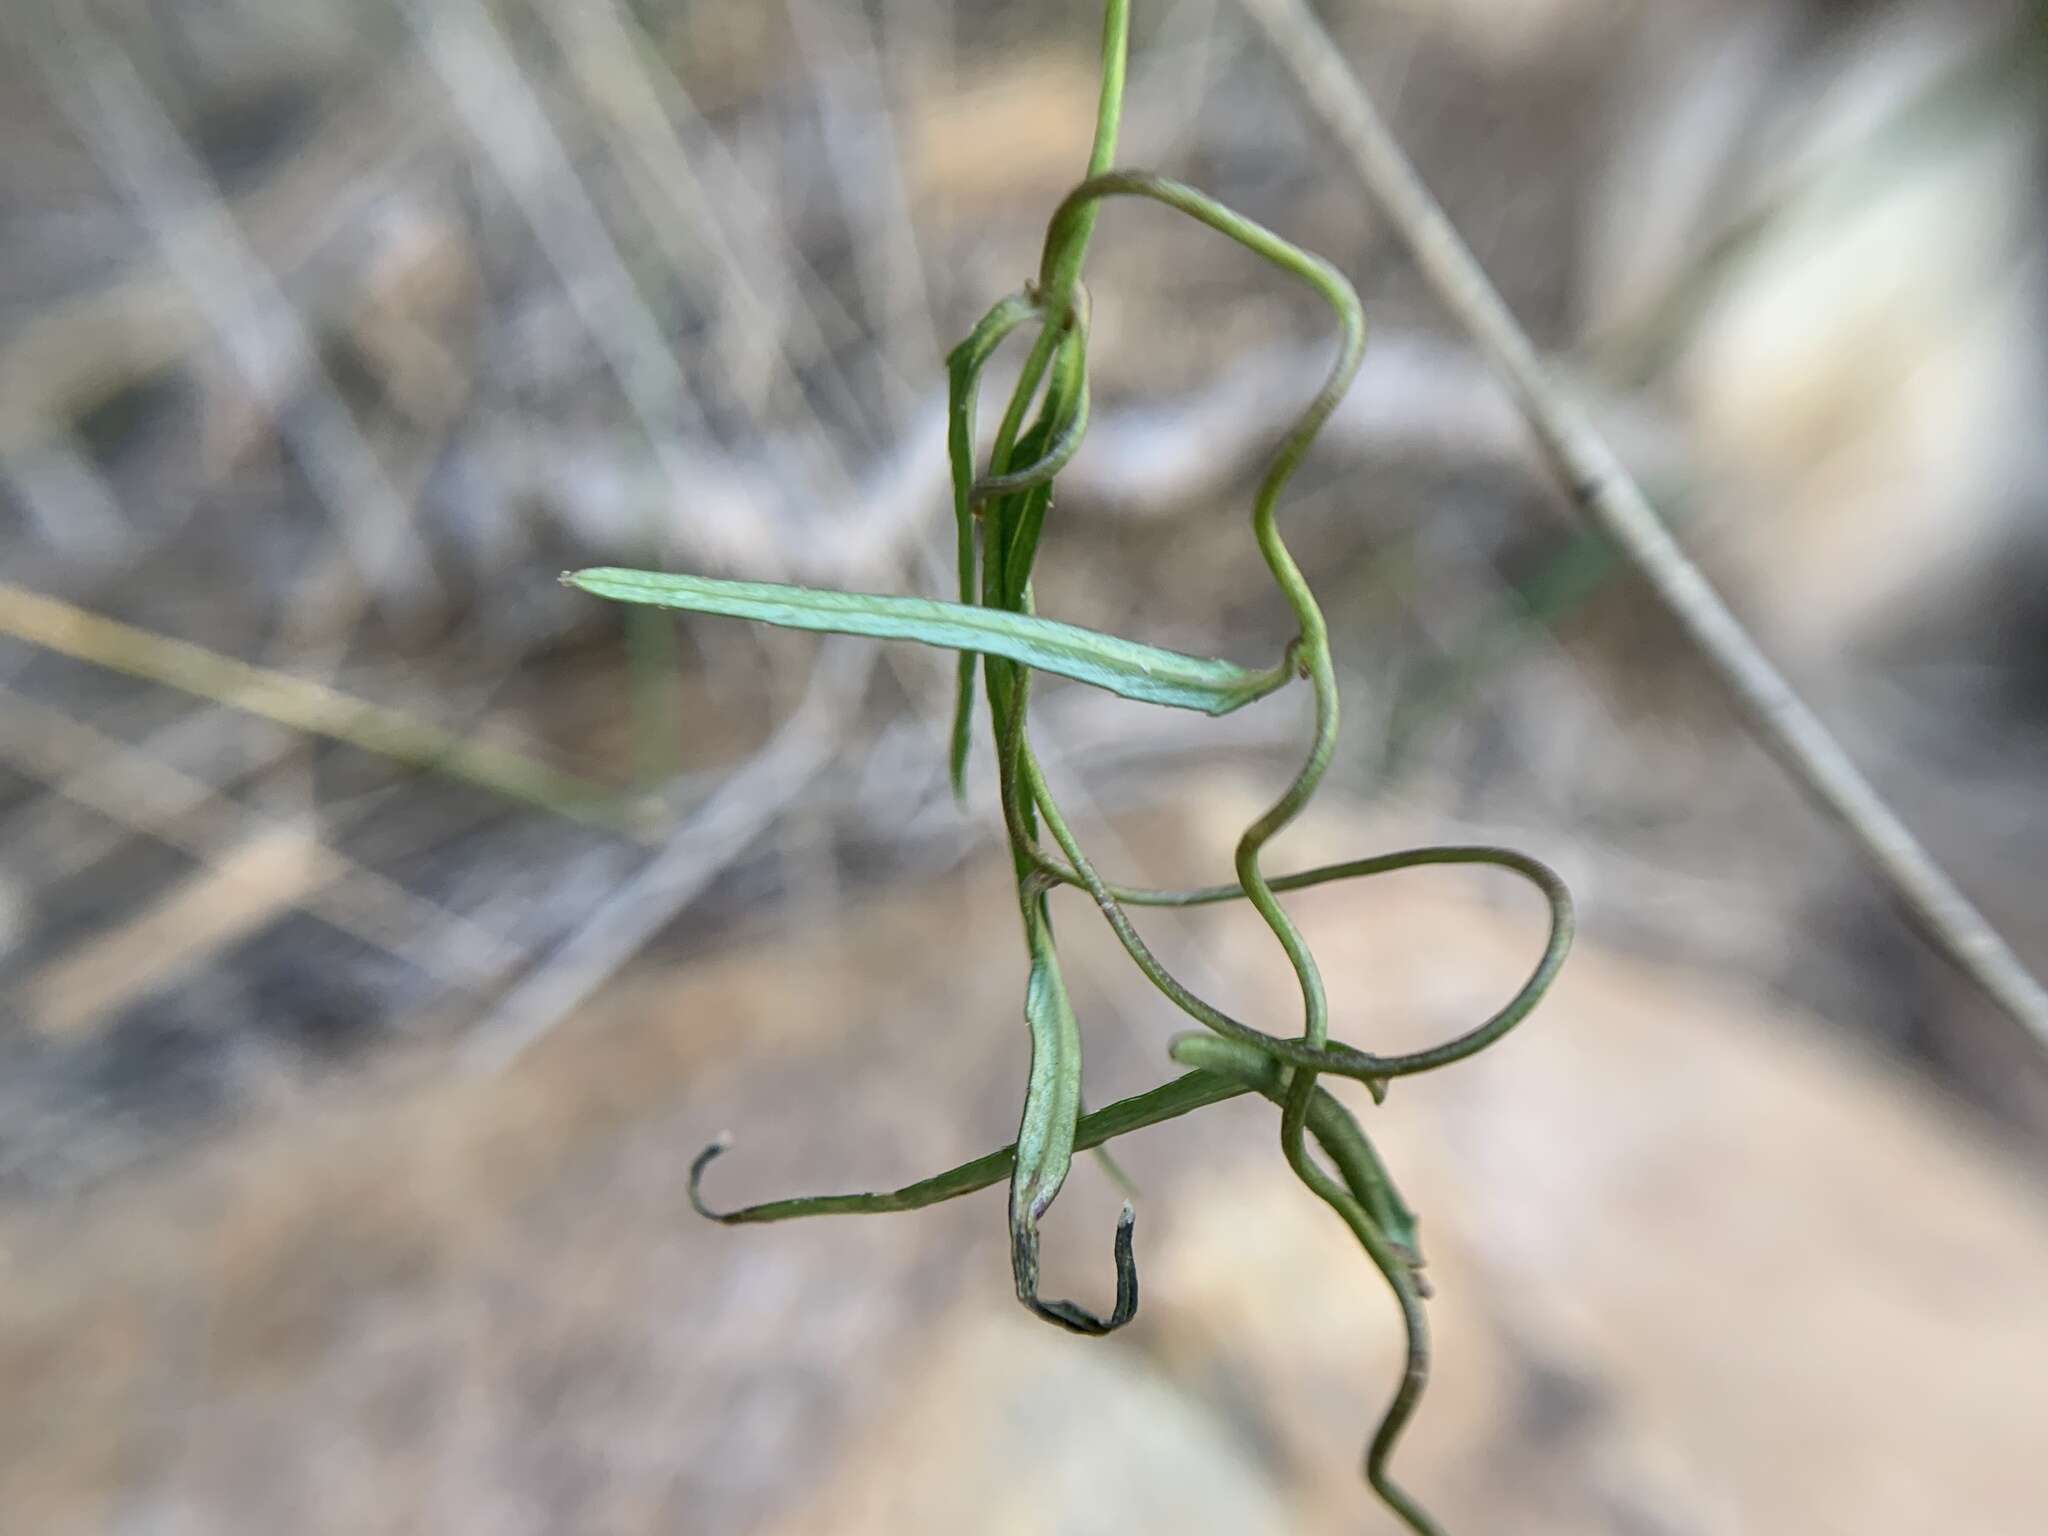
1000, 516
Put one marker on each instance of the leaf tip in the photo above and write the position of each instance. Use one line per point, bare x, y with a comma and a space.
718, 1147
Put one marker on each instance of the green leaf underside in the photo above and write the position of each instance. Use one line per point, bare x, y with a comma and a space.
1125, 667
1052, 1101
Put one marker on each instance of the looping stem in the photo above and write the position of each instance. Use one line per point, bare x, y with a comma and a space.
1072, 424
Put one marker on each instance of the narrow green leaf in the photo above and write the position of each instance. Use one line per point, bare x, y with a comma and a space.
1155, 1106
1125, 667
963, 382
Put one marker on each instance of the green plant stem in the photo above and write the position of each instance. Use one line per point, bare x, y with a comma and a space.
1052, 1101
1341, 1060
1312, 645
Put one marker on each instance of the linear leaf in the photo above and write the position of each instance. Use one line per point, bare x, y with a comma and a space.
963, 383
1125, 667
1170, 1100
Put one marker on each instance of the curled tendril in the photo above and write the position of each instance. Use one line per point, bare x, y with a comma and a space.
1000, 518
1339, 1060
1070, 361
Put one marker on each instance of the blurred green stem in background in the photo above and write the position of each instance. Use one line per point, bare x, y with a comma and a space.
310, 707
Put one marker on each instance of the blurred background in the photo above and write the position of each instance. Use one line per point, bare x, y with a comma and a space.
385, 926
